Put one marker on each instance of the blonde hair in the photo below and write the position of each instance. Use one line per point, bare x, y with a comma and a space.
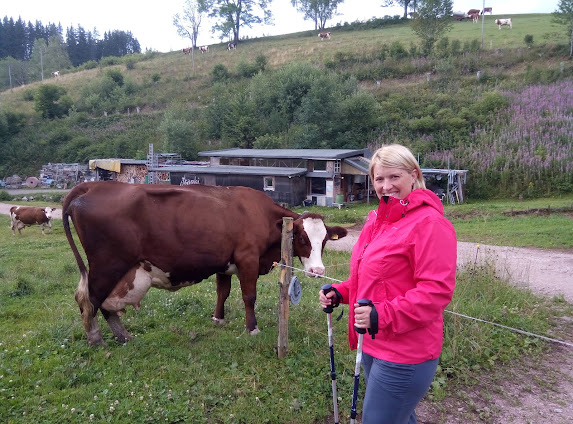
397, 156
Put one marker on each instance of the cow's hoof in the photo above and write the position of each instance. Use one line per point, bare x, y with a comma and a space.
219, 321
124, 338
97, 342
254, 331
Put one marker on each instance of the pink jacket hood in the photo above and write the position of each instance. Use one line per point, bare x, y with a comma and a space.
404, 262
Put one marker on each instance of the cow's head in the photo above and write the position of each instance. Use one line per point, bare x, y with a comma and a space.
48, 212
310, 235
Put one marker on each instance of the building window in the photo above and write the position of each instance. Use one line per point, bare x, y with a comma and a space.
337, 166
319, 165
269, 183
318, 186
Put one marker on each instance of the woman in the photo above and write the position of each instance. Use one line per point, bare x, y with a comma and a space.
404, 262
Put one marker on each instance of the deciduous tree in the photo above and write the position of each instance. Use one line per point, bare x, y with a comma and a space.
189, 21
318, 11
432, 20
232, 15
403, 3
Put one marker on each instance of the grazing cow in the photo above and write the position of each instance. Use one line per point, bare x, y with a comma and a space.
56, 74
231, 46
474, 17
472, 11
26, 216
502, 22
324, 35
187, 50
486, 10
204, 49
141, 236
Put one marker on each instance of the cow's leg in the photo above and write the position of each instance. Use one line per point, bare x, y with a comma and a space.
117, 328
248, 279
223, 290
94, 333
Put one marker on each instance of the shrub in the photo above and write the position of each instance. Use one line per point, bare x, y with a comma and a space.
220, 73
528, 40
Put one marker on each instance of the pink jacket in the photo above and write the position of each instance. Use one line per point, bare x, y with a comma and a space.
405, 262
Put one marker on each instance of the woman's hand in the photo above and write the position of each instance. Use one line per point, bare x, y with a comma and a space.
362, 316
326, 300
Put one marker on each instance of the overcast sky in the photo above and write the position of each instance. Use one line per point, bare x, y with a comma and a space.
152, 23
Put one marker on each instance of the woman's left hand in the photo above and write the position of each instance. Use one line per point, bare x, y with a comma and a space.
362, 316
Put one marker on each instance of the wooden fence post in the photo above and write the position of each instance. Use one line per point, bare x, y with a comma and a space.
286, 275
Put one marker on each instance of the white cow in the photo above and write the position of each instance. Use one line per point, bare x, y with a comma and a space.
502, 22
324, 35
56, 74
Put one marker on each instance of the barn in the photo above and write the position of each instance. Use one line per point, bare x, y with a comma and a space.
324, 177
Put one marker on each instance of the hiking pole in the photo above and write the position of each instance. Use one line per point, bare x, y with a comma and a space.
326, 288
360, 331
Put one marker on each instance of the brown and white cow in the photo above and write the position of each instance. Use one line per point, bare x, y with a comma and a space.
486, 10
26, 216
231, 46
324, 35
56, 74
472, 11
140, 236
187, 50
474, 17
204, 49
502, 22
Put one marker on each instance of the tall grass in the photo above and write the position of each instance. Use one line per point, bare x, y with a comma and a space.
183, 368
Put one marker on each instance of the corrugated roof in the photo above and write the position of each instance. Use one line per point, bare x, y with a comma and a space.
316, 154
235, 170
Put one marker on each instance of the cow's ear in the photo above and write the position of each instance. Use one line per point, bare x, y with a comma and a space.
335, 233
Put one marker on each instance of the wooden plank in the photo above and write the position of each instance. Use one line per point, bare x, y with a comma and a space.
286, 275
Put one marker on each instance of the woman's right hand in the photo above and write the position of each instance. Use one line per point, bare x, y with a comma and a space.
326, 300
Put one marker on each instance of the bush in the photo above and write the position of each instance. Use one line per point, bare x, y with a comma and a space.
220, 73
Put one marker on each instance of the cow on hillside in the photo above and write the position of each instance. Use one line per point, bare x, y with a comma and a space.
187, 50
502, 22
140, 236
26, 216
56, 74
486, 10
204, 49
472, 11
324, 35
231, 46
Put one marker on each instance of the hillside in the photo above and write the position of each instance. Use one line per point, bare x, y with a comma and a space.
372, 83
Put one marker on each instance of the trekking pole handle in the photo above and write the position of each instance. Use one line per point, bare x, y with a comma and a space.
327, 288
362, 302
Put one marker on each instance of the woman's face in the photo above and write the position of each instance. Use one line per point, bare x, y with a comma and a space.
395, 182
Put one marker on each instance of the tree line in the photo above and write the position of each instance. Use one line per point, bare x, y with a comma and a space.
30, 52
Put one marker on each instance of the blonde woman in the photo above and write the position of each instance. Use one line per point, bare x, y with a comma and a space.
404, 262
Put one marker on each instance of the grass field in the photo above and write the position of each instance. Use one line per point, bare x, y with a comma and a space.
183, 368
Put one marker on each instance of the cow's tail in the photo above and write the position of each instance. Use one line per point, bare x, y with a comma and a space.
83, 291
